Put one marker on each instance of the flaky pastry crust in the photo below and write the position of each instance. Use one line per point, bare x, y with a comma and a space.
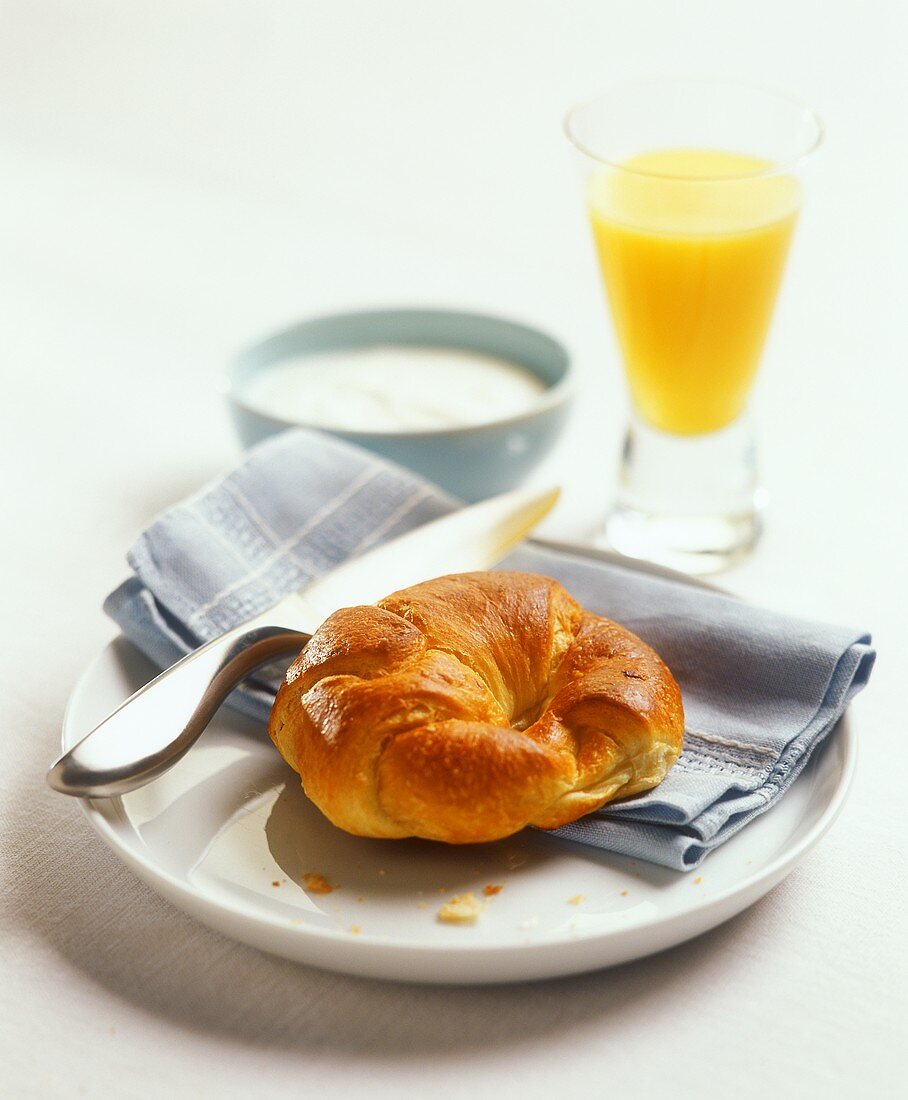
467, 707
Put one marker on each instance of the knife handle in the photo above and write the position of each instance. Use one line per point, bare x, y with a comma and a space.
153, 729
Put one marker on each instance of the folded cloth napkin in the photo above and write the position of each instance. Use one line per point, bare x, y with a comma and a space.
761, 690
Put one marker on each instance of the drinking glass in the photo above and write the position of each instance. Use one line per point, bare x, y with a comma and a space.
692, 192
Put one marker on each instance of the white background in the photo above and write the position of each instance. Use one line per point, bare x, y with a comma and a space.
179, 178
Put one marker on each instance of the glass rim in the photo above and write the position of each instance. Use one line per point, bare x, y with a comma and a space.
774, 169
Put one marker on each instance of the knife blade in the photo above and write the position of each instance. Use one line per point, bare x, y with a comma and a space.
158, 724
473, 538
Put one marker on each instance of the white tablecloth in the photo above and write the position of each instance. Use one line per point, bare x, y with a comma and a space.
179, 179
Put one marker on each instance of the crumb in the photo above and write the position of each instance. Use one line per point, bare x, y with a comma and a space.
576, 899
316, 883
530, 922
422, 905
296, 920
382, 872
362, 897
750, 861
462, 909
515, 859
572, 925
355, 929
698, 880
624, 893
490, 891
442, 889
275, 883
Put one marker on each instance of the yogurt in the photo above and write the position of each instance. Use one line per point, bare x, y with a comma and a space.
390, 388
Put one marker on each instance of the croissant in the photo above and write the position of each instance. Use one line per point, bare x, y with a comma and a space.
467, 707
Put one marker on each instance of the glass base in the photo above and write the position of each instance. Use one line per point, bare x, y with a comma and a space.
690, 544
691, 503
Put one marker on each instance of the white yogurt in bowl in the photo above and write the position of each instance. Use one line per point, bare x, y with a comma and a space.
471, 401
394, 388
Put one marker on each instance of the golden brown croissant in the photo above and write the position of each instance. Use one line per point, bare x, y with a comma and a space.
464, 708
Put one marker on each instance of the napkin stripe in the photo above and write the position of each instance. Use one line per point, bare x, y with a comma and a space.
392, 520
244, 502
289, 545
728, 742
219, 536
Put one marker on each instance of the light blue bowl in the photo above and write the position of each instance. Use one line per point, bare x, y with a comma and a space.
470, 462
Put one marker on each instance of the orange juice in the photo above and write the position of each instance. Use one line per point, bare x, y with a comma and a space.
692, 244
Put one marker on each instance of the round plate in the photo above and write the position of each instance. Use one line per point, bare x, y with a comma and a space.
227, 835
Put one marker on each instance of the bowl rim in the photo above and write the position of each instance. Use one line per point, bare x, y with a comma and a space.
554, 395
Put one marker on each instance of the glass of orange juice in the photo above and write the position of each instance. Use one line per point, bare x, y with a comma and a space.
693, 194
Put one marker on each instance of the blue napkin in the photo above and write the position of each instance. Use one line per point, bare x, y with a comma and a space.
761, 690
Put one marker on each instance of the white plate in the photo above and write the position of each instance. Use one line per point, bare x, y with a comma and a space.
216, 833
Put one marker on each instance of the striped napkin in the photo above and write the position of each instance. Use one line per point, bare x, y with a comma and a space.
761, 690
